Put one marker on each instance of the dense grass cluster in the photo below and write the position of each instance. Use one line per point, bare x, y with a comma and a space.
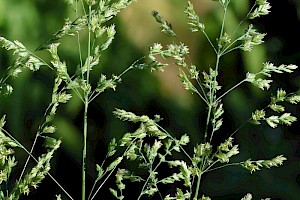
149, 146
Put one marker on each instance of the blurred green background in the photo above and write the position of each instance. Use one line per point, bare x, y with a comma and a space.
34, 21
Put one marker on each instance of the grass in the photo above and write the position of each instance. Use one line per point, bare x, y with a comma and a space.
150, 146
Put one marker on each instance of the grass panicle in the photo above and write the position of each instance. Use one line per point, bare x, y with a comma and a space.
149, 146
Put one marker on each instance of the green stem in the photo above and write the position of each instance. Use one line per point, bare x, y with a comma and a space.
238, 84
210, 166
94, 195
86, 105
132, 66
207, 121
170, 136
48, 173
225, 50
97, 179
198, 186
210, 42
223, 26
222, 166
84, 148
148, 178
89, 46
91, 195
230, 50
212, 86
201, 97
211, 97
28, 158
35, 140
240, 127
202, 89
241, 22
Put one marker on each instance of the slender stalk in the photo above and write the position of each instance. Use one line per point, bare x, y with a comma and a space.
213, 88
143, 188
2, 80
240, 127
207, 121
222, 166
212, 93
45, 63
210, 166
86, 105
89, 45
212, 134
193, 181
230, 50
85, 129
28, 158
212, 98
198, 186
160, 195
219, 54
76, 91
169, 135
34, 142
210, 42
132, 66
203, 96
202, 89
199, 94
241, 22
223, 26
33, 145
104, 181
94, 185
232, 88
28, 152
97, 179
